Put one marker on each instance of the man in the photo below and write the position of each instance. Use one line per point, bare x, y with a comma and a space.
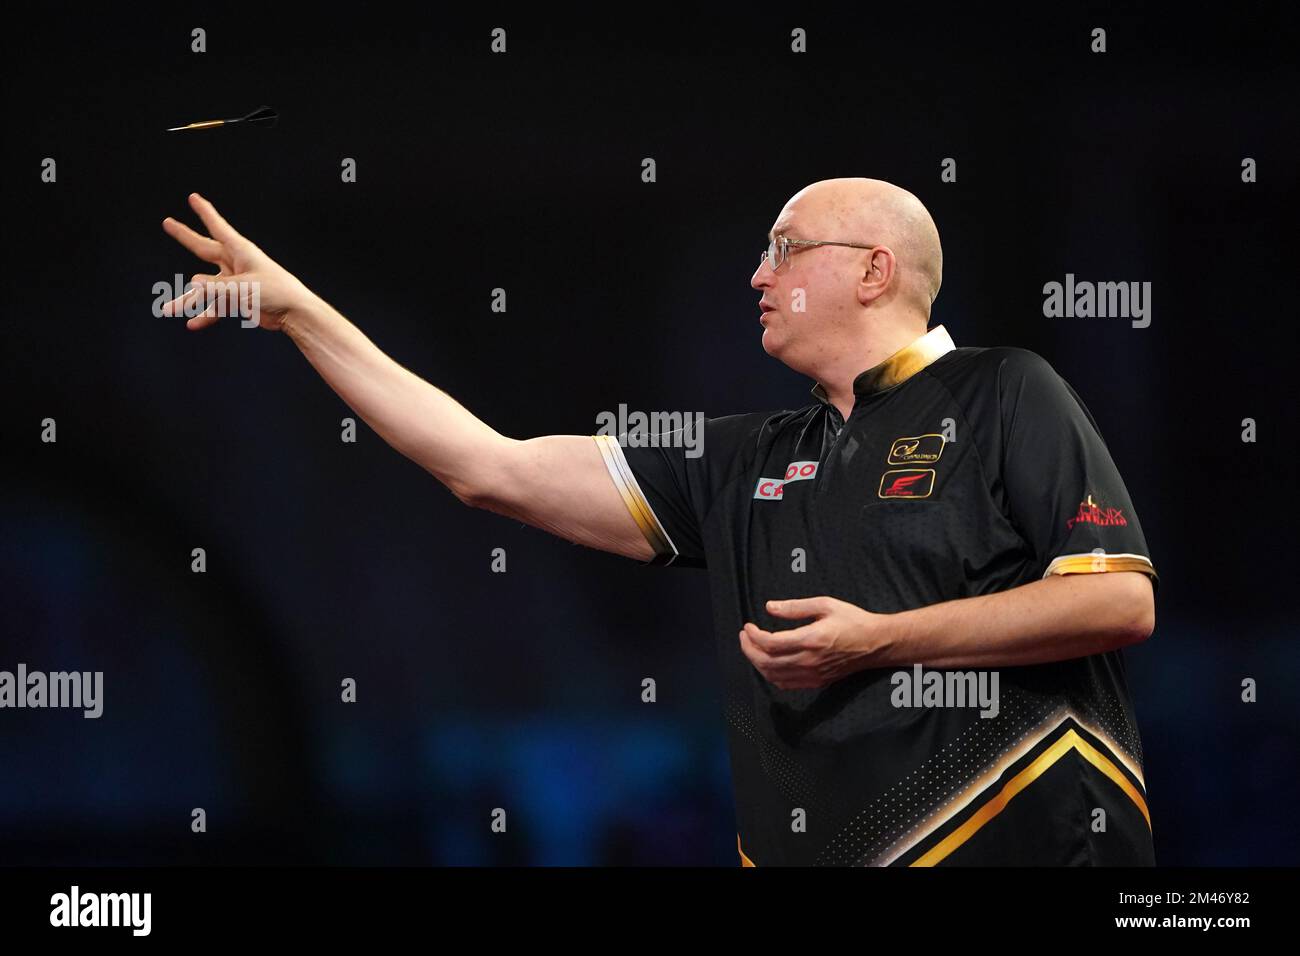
921, 580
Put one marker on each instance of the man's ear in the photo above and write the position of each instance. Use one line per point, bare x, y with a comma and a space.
881, 261
878, 255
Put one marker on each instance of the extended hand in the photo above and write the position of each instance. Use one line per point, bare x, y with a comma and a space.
248, 283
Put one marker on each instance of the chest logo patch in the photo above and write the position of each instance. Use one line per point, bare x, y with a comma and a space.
907, 483
919, 449
773, 489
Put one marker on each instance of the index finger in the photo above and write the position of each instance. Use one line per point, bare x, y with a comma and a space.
777, 643
209, 250
217, 226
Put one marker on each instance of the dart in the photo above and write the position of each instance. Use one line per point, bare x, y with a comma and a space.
263, 114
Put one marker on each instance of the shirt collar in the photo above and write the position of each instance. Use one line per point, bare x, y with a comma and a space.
900, 366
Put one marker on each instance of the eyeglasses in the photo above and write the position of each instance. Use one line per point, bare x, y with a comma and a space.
778, 250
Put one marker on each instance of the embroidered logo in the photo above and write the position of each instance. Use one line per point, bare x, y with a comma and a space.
1092, 513
921, 449
907, 483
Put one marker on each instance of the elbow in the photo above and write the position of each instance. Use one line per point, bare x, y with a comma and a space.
467, 491
484, 499
468, 496
480, 487
1141, 620
1140, 629
492, 483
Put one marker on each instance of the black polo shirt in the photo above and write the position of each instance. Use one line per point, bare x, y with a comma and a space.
959, 472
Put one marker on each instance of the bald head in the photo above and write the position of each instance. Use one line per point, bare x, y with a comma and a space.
874, 211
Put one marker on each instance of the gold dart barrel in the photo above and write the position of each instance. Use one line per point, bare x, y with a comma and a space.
206, 124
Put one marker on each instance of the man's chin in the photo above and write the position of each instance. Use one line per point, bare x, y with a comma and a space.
772, 343
779, 347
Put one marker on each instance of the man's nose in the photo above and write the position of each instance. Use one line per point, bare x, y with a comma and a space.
763, 276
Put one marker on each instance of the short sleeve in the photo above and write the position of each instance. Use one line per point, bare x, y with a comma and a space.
1063, 490
670, 477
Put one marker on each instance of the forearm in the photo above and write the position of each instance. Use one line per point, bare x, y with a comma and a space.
422, 422
1060, 617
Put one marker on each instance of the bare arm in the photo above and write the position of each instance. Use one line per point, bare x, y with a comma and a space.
558, 483
1057, 618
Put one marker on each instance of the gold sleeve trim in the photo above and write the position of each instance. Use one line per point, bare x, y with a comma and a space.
637, 505
1089, 563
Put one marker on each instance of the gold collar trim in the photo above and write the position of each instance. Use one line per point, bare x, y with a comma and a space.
900, 366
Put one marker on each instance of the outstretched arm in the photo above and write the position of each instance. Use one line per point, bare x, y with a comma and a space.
558, 483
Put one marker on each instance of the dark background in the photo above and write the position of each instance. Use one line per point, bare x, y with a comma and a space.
521, 690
